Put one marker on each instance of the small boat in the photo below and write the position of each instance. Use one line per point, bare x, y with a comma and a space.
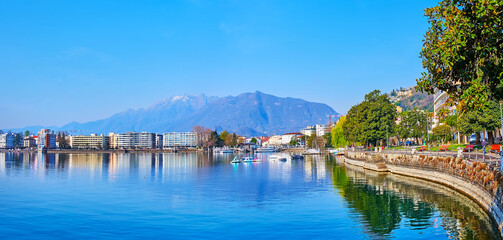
247, 159
273, 157
236, 160
282, 159
256, 160
228, 150
266, 149
297, 157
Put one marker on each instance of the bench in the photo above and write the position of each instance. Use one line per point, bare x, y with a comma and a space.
468, 148
444, 148
495, 148
422, 148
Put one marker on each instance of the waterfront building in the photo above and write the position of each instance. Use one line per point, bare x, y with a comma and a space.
309, 130
321, 130
92, 141
113, 141
30, 142
179, 139
274, 141
7, 140
158, 141
134, 140
46, 139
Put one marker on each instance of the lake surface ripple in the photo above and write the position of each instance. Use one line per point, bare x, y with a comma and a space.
196, 195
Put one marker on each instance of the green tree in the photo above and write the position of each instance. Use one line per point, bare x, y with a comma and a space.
223, 135
372, 120
294, 142
463, 51
338, 138
215, 140
444, 131
311, 140
254, 141
26, 133
18, 140
478, 120
412, 124
327, 137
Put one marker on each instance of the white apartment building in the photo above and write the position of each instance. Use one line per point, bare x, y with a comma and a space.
179, 139
309, 130
133, 140
92, 141
113, 140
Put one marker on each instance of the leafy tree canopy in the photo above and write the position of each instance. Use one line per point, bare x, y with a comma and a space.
462, 51
371, 120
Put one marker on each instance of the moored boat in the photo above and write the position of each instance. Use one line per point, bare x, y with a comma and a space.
236, 160
266, 149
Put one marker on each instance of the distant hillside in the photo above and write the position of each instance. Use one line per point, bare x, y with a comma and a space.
409, 98
248, 114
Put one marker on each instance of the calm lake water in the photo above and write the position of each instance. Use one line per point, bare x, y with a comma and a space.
194, 195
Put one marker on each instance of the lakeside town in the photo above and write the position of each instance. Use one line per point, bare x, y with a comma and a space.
408, 124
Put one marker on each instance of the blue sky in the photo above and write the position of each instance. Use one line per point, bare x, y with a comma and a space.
64, 61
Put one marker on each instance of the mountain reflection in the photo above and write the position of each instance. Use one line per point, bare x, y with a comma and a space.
386, 202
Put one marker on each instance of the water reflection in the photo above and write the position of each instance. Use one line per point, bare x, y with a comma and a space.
170, 193
387, 202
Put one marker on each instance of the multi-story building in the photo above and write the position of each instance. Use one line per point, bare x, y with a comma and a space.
309, 130
134, 140
30, 142
321, 130
113, 141
46, 139
159, 141
179, 139
7, 140
92, 141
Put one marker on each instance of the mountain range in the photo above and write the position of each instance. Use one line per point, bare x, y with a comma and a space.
248, 114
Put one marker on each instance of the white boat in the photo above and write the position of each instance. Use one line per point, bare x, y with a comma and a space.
277, 158
247, 159
236, 160
312, 152
266, 149
228, 150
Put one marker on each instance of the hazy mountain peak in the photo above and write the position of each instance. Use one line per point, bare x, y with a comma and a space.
248, 114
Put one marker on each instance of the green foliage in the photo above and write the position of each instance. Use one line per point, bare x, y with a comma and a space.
452, 121
327, 139
254, 140
338, 138
223, 135
463, 50
371, 120
443, 132
412, 124
294, 142
478, 120
26, 133
311, 140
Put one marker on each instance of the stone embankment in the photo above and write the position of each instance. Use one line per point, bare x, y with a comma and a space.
477, 180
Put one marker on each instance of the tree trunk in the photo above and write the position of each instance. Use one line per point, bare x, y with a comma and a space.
477, 138
490, 138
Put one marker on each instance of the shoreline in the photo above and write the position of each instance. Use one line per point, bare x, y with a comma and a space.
489, 203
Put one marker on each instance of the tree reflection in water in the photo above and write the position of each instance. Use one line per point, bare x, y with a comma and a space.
386, 202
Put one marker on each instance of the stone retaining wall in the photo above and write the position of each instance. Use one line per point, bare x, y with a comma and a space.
476, 180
